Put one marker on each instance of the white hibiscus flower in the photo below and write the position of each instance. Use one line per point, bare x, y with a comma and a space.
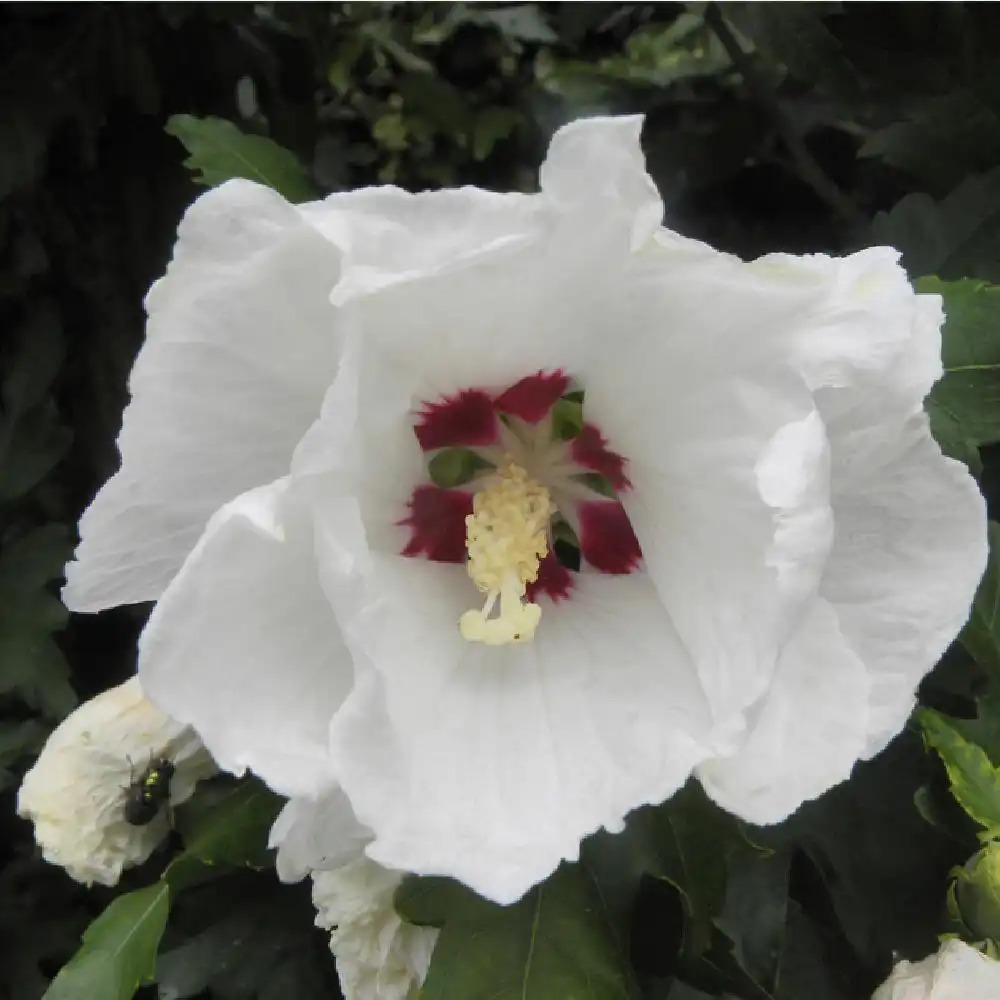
379, 956
956, 972
501, 622
76, 792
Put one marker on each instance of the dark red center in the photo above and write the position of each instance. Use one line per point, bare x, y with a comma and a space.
462, 436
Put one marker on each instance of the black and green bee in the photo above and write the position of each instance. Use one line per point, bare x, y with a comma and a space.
148, 793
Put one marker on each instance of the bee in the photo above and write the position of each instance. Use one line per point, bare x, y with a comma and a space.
147, 794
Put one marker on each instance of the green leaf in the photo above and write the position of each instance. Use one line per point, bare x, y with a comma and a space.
555, 942
688, 842
452, 467
31, 664
119, 948
32, 439
941, 140
966, 400
522, 21
957, 237
233, 831
797, 37
17, 740
981, 636
246, 935
881, 865
490, 126
975, 782
220, 151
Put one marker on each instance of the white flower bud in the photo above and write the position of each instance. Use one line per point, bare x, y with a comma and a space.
956, 972
379, 955
75, 793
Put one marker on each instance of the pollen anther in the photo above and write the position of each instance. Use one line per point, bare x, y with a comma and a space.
506, 537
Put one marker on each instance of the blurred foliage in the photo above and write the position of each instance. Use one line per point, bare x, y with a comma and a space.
795, 127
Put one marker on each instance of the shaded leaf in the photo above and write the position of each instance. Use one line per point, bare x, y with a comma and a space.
957, 237
118, 953
981, 636
796, 36
975, 782
247, 936
233, 831
17, 740
521, 21
941, 140
31, 664
220, 151
687, 841
881, 864
555, 942
32, 439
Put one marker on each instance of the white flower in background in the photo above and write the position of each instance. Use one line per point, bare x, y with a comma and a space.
499, 622
379, 956
956, 972
75, 793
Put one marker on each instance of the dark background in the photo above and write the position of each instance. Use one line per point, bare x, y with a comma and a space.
795, 127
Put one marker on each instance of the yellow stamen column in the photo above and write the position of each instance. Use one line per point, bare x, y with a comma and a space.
506, 540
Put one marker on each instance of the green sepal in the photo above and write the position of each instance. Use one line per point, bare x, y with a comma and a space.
453, 467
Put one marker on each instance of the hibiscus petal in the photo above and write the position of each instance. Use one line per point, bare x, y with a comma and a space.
490, 764
595, 168
244, 647
806, 734
240, 346
465, 418
590, 449
315, 834
910, 549
732, 549
436, 520
607, 540
391, 237
531, 397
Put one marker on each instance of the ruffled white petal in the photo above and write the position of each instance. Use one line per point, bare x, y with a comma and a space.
240, 346
75, 792
490, 764
595, 168
910, 549
318, 833
389, 236
805, 734
244, 647
956, 972
729, 498
379, 957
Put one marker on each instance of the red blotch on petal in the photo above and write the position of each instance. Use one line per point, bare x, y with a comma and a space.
532, 397
607, 540
467, 418
553, 579
437, 523
590, 450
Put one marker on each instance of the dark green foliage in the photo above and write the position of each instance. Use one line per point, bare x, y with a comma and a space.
810, 127
558, 941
